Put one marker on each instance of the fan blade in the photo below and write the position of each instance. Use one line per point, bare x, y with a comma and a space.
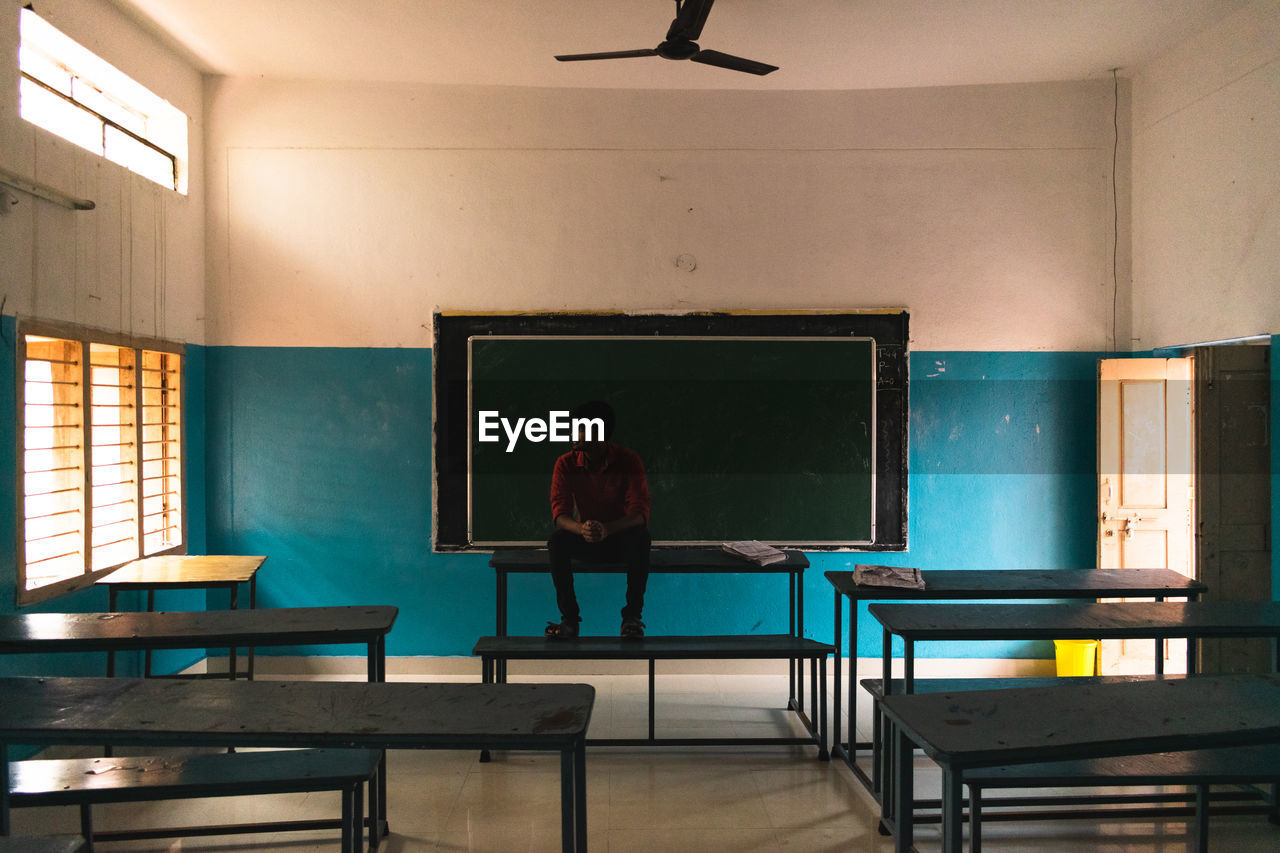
735, 63
615, 54
689, 20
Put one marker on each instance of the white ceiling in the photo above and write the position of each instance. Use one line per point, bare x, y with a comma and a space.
818, 44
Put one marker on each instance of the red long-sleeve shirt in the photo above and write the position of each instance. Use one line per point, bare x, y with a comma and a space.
618, 489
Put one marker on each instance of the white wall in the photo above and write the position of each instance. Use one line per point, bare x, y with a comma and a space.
344, 214
136, 262
1206, 192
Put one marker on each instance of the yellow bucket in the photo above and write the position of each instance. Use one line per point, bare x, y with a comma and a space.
1076, 657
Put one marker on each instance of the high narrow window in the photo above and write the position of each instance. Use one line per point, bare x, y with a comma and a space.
102, 457
68, 90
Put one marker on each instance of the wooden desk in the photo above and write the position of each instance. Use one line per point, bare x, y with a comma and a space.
40, 633
978, 584
495, 652
209, 571
507, 561
1162, 620
961, 731
155, 712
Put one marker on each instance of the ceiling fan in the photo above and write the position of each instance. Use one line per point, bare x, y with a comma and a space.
680, 43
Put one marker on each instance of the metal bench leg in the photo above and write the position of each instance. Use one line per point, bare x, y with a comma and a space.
975, 818
377, 804
903, 788
568, 798
837, 683
357, 825
4, 791
823, 754
813, 695
86, 826
952, 812
489, 674
651, 697
1202, 819
580, 795
348, 818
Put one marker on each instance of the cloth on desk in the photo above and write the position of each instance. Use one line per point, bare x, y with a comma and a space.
899, 576
755, 552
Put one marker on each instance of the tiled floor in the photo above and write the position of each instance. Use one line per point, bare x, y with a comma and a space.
700, 800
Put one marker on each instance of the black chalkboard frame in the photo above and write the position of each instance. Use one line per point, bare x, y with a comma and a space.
450, 437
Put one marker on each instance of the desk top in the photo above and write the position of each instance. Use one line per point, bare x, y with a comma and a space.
1029, 583
711, 560
160, 712
1083, 621
177, 570
991, 727
81, 632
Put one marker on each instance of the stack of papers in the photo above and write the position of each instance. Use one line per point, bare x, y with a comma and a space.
755, 552
899, 576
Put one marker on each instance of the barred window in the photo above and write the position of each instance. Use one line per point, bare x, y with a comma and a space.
102, 456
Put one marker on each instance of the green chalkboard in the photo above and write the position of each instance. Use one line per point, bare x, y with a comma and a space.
742, 437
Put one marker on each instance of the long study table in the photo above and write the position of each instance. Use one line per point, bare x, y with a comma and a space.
187, 571
1161, 620
962, 731
47, 633
1130, 620
508, 561
982, 584
161, 712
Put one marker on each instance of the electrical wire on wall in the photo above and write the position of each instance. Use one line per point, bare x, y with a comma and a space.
1115, 206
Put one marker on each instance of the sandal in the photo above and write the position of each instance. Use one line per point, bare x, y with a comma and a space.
562, 631
632, 629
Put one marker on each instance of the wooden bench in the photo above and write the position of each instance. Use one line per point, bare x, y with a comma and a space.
917, 622
1193, 768
147, 713
495, 652
50, 633
714, 561
965, 731
187, 571
953, 584
1129, 620
86, 782
1197, 768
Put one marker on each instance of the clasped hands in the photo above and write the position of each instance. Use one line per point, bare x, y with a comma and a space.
594, 531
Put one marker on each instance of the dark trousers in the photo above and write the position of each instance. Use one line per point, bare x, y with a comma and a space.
630, 546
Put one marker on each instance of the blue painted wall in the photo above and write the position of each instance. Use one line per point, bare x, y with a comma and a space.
320, 458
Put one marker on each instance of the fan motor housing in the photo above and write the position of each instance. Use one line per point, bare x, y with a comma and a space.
678, 49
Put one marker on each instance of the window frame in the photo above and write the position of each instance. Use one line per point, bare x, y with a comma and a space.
60, 67
84, 337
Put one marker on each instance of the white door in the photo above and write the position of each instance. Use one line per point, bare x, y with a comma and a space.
1145, 484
